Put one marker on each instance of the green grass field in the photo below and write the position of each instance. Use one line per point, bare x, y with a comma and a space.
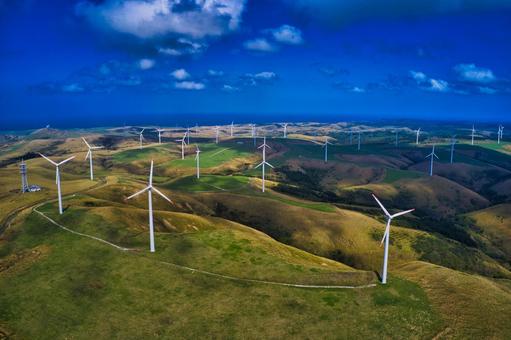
209, 183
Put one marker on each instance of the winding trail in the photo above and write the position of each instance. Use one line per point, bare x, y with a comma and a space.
194, 270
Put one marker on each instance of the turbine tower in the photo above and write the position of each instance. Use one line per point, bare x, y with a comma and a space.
23, 172
183, 144
386, 236
254, 134
264, 162
217, 129
89, 155
432, 155
325, 145
149, 188
285, 129
453, 142
499, 134
141, 137
57, 177
232, 129
159, 134
188, 135
197, 158
359, 139
473, 134
418, 132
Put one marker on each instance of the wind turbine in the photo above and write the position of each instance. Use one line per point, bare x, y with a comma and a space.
418, 132
197, 158
89, 155
149, 188
285, 129
217, 128
432, 155
473, 134
232, 128
188, 135
183, 144
159, 134
453, 142
499, 133
359, 139
141, 137
325, 145
57, 177
254, 134
264, 162
386, 236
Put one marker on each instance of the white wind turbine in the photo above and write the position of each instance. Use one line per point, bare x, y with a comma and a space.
285, 129
473, 134
325, 145
386, 236
89, 155
232, 129
188, 135
264, 162
254, 134
453, 142
159, 134
141, 137
418, 132
359, 139
499, 134
432, 155
183, 144
197, 158
57, 177
149, 188
217, 129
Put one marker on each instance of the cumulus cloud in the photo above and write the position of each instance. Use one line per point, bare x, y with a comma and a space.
438, 85
418, 76
287, 34
180, 74
215, 73
230, 88
163, 24
146, 64
265, 77
472, 73
259, 45
189, 85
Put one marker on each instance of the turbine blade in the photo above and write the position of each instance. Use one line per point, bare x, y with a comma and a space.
381, 206
258, 165
86, 142
97, 147
162, 195
87, 155
271, 166
385, 234
66, 160
402, 213
49, 160
139, 192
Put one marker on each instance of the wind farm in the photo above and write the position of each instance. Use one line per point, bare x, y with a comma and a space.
255, 169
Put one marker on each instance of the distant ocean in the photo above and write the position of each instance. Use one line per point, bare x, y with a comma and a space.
18, 123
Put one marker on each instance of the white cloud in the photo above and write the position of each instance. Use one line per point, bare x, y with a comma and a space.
189, 85
73, 88
146, 64
156, 18
229, 88
180, 74
358, 89
470, 72
266, 75
438, 85
259, 44
418, 76
215, 73
287, 34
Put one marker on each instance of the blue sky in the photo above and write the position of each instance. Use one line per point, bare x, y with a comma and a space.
98, 62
